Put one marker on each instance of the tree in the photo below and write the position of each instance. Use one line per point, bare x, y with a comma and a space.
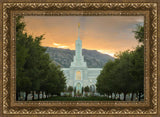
139, 33
34, 65
126, 73
61, 81
137, 71
55, 81
86, 89
24, 84
139, 60
70, 88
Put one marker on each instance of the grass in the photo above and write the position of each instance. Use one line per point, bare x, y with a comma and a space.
59, 98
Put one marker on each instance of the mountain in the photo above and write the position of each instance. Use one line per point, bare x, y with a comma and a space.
64, 57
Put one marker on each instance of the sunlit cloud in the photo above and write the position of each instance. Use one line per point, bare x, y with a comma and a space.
63, 47
59, 46
105, 34
106, 52
56, 44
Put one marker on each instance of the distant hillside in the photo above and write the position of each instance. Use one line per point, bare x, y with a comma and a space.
64, 57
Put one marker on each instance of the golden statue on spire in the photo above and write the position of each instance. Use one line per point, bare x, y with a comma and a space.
78, 25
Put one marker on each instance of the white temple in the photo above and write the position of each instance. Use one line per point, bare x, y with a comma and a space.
78, 75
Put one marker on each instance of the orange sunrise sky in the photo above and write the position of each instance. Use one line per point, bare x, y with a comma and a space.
106, 34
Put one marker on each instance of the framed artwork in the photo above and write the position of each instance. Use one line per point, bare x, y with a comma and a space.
79, 58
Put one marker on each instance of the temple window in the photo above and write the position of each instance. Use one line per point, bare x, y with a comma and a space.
78, 75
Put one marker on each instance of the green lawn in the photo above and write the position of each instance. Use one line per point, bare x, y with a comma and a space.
58, 98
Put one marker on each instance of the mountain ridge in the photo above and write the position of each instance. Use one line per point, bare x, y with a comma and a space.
64, 57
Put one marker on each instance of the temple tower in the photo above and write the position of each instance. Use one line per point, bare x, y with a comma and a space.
78, 60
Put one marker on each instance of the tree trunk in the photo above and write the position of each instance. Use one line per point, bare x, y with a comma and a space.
118, 96
58, 94
42, 94
17, 95
132, 96
136, 96
139, 96
46, 95
38, 94
124, 99
26, 96
33, 95
51, 95
115, 95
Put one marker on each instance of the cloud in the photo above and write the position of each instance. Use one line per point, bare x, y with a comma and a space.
108, 33
60, 46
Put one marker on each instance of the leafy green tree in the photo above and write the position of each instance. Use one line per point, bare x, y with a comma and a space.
70, 88
126, 73
123, 72
114, 77
61, 80
137, 71
24, 84
34, 66
55, 81
86, 89
21, 56
139, 33
102, 85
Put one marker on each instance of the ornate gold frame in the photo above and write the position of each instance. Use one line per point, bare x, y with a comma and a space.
11, 107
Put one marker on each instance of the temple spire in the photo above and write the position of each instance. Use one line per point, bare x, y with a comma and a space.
78, 60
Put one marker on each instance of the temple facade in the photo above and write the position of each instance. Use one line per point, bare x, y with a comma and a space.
78, 75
